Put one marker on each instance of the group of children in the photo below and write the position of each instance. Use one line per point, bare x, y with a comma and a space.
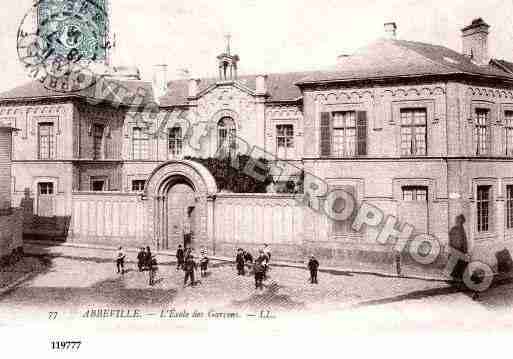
260, 265
186, 261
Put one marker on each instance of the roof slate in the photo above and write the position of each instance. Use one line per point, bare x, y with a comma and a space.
398, 58
35, 90
280, 86
382, 59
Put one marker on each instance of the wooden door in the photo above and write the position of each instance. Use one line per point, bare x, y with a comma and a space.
180, 200
45, 199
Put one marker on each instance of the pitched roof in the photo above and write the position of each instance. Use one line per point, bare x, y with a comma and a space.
387, 58
35, 90
280, 86
503, 65
383, 59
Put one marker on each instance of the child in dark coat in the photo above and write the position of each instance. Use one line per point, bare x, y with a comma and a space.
152, 268
180, 257
141, 256
239, 261
189, 267
313, 266
259, 271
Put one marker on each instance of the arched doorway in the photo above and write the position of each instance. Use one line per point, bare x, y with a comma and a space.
181, 200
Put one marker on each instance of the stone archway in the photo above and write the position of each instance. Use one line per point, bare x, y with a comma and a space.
180, 191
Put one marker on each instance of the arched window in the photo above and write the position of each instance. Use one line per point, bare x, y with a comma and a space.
226, 134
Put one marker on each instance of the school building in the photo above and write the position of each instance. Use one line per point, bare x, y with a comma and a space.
421, 131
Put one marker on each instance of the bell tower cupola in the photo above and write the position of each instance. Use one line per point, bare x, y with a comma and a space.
227, 63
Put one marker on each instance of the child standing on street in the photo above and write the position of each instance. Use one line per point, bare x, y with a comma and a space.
140, 259
203, 263
239, 261
120, 261
152, 268
180, 256
313, 266
259, 271
189, 267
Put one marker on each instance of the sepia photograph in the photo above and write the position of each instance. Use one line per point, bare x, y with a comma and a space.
181, 174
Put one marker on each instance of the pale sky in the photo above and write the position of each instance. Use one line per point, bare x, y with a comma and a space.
268, 35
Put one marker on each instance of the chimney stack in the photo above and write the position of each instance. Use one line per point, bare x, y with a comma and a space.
475, 41
391, 30
193, 87
261, 85
342, 60
159, 82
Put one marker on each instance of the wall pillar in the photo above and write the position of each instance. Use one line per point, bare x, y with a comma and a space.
211, 223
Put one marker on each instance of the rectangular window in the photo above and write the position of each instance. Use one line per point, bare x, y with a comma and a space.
45, 188
98, 184
481, 132
415, 193
138, 185
285, 141
343, 134
46, 141
509, 206
98, 141
175, 141
140, 144
508, 127
414, 132
483, 208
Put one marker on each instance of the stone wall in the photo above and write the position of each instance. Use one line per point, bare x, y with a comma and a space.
250, 220
109, 218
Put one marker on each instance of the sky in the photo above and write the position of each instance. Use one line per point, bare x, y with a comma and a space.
268, 35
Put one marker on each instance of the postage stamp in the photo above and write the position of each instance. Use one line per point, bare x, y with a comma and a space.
198, 178
58, 40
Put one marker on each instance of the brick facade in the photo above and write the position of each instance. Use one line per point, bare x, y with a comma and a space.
390, 81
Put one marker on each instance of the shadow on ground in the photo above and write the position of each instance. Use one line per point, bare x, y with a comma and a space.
111, 292
269, 299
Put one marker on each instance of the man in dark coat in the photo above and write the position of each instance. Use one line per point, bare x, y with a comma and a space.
180, 257
458, 244
239, 261
189, 267
313, 266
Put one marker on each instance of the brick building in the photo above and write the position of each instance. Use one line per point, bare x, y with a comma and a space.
421, 131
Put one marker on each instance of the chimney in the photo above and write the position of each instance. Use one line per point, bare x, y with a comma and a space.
391, 30
159, 82
475, 41
193, 88
342, 60
261, 85
184, 74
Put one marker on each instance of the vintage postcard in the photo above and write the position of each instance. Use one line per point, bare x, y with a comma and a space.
242, 170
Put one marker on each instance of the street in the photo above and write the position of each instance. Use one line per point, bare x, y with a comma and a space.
74, 282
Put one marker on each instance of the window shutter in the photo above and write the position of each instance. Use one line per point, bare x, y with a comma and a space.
325, 134
361, 133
